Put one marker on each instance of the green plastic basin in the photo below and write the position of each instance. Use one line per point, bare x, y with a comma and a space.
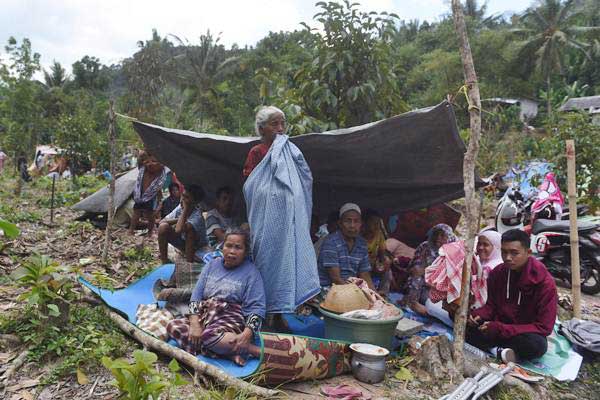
377, 332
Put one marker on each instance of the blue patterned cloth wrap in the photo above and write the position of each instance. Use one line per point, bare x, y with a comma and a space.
278, 197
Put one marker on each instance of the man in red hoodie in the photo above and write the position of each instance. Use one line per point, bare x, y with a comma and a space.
521, 307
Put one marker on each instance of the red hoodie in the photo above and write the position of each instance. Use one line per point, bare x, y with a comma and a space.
519, 303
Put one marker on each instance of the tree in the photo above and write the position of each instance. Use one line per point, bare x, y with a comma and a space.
90, 74
56, 77
19, 111
551, 30
350, 79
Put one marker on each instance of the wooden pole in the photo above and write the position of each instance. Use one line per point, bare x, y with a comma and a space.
111, 190
574, 233
471, 203
52, 199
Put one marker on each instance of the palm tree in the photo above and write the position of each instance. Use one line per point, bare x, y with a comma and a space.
551, 31
56, 77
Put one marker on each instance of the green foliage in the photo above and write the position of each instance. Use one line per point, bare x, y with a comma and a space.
587, 142
88, 336
46, 282
138, 253
10, 230
140, 380
13, 215
350, 79
229, 393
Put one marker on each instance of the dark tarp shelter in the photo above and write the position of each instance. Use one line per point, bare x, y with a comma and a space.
409, 161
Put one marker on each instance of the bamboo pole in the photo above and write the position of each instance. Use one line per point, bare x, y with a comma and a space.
52, 199
200, 367
471, 203
111, 191
574, 233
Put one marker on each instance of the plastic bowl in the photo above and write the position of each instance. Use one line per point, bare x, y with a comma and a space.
377, 332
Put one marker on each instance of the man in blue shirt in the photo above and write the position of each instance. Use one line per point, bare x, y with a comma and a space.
184, 227
344, 253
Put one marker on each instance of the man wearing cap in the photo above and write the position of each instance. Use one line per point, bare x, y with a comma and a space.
344, 253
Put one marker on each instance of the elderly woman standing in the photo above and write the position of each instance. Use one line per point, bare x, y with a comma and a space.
278, 194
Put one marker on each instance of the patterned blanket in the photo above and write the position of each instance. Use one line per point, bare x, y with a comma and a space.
289, 358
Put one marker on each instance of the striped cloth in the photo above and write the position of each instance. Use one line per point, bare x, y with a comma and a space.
444, 276
278, 196
217, 317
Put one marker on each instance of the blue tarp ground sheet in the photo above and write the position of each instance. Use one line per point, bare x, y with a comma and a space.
127, 300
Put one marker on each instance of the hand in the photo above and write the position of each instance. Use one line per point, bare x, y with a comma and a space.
485, 326
195, 334
474, 321
241, 341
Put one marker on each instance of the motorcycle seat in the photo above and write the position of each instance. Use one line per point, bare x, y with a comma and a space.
543, 225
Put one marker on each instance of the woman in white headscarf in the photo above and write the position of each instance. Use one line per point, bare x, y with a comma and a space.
488, 251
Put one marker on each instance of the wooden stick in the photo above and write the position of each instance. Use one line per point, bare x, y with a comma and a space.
111, 189
52, 199
14, 366
200, 367
574, 233
471, 203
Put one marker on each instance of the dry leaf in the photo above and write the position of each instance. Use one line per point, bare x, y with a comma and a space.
26, 395
82, 378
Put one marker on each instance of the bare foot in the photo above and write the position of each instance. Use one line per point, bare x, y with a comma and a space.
239, 360
418, 308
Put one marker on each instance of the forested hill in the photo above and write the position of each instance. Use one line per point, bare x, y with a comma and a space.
346, 67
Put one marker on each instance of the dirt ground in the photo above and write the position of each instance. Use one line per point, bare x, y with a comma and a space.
79, 245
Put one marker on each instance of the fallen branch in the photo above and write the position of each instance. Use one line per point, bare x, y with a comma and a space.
200, 367
14, 366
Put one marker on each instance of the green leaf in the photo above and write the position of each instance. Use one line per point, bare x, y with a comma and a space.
404, 374
10, 230
53, 310
174, 366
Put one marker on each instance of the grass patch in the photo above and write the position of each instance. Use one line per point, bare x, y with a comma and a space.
88, 336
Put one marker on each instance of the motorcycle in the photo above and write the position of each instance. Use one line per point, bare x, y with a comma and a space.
550, 240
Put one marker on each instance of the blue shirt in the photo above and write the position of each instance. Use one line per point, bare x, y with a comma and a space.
242, 285
197, 221
335, 253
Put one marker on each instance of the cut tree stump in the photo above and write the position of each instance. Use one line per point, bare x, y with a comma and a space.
434, 356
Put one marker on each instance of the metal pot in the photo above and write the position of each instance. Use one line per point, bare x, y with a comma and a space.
368, 362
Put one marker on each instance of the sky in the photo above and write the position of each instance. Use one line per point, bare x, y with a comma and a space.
67, 30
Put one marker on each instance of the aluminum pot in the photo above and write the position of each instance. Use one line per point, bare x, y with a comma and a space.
368, 362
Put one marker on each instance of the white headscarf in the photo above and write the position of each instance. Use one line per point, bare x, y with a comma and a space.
495, 257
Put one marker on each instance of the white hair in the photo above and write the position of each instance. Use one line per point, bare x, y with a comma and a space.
264, 115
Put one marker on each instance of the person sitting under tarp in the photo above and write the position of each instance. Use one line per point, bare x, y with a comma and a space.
220, 218
171, 202
373, 233
444, 276
425, 255
184, 227
147, 192
344, 253
521, 304
227, 306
